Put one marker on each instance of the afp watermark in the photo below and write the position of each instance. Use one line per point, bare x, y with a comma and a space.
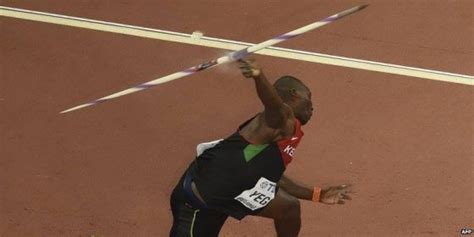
466, 231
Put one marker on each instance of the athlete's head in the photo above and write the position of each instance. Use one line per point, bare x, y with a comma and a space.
297, 95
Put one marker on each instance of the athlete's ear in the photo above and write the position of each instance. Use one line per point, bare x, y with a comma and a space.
294, 93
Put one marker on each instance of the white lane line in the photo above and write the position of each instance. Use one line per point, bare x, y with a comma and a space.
234, 45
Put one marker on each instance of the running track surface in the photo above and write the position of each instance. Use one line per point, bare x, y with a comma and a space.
405, 143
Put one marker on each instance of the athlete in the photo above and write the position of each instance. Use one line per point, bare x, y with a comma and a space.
244, 173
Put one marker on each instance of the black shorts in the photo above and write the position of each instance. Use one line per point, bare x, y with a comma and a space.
190, 216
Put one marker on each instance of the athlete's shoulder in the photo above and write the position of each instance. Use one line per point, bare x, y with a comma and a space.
287, 128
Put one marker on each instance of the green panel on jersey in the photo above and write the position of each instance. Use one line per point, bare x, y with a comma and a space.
252, 150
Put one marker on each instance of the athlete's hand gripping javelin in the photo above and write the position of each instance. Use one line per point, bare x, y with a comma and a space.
249, 68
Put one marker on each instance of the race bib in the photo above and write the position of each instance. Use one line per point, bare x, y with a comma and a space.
258, 196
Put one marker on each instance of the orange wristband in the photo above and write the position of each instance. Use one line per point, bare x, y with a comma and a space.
316, 194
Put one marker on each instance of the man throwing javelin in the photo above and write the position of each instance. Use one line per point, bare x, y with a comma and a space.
244, 173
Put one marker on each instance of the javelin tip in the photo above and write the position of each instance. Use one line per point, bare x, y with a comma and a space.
76, 108
363, 6
348, 12
66, 111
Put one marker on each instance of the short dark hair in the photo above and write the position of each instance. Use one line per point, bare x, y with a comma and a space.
286, 83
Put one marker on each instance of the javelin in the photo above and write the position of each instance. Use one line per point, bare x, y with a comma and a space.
224, 59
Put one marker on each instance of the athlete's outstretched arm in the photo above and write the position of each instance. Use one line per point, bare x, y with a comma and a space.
296, 189
329, 195
276, 112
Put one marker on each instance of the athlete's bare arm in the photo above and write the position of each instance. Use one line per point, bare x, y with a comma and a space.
276, 112
329, 195
296, 189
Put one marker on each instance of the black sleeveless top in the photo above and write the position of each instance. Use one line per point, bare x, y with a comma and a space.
239, 178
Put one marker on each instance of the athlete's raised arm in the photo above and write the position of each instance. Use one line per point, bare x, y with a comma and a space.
276, 112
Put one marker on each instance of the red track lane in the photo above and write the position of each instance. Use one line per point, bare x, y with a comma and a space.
405, 143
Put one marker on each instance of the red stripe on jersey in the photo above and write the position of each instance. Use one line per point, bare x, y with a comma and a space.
288, 146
